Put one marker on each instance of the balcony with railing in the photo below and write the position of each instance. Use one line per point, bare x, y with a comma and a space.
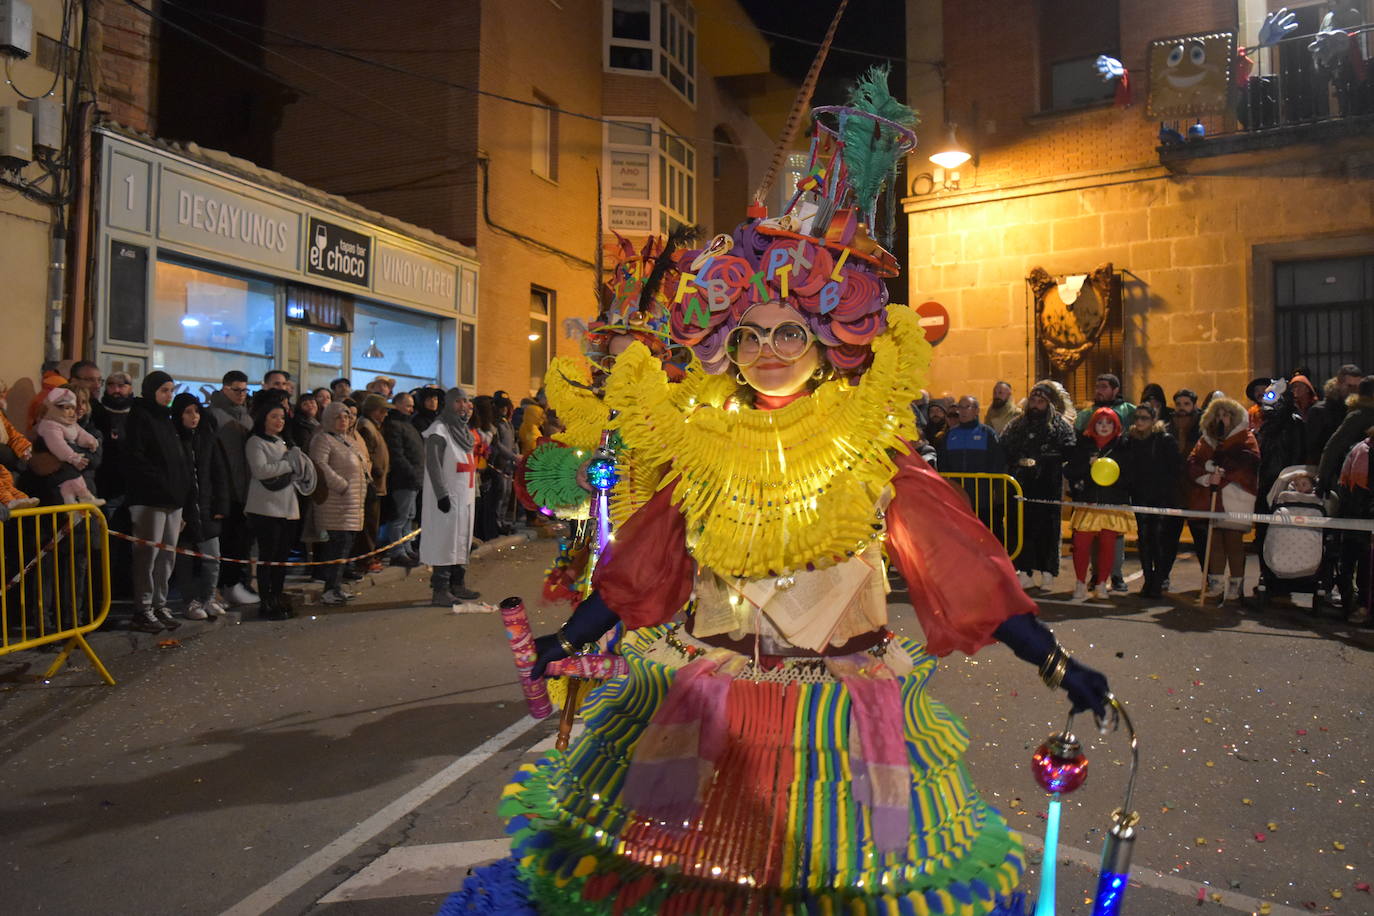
1316, 88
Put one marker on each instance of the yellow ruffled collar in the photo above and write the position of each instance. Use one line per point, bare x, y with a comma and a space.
770, 492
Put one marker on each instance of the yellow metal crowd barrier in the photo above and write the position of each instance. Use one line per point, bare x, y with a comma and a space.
996, 499
55, 572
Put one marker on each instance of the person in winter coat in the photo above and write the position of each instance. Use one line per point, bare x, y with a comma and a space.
1326, 415
370, 416
206, 506
1106, 393
233, 425
429, 401
1356, 493
1154, 394
404, 478
343, 472
504, 454
1359, 417
449, 495
971, 447
305, 421
109, 415
277, 473
1036, 445
1095, 531
61, 436
1153, 465
158, 481
487, 524
1002, 410
937, 423
1225, 466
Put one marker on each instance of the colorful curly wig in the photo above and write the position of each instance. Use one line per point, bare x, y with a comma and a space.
818, 257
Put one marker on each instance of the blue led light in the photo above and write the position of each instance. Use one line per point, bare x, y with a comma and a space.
1111, 889
601, 473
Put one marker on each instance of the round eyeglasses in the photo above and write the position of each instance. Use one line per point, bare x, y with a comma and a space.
788, 341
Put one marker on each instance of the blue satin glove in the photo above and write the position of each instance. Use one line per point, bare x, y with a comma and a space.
1033, 642
589, 622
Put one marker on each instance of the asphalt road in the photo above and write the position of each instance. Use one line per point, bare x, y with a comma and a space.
350, 762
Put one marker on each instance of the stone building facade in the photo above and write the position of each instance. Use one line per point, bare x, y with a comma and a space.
1223, 246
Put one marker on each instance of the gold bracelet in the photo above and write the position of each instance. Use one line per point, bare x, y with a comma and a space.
565, 645
1053, 669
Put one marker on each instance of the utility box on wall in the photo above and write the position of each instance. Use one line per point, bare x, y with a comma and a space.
16, 138
16, 28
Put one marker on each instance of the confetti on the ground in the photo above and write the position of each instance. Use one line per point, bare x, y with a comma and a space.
1246, 801
1260, 838
1338, 845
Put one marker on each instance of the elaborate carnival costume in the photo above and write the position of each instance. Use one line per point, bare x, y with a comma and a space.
552, 479
772, 748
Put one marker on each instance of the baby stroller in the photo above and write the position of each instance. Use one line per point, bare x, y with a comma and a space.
1292, 555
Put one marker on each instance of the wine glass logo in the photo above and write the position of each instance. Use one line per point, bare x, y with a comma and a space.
321, 241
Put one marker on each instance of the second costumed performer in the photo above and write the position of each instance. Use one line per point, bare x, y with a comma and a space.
773, 748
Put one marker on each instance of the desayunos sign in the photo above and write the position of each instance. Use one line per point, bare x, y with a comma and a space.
220, 220
338, 253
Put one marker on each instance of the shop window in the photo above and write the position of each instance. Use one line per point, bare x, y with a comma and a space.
207, 322
541, 318
652, 178
654, 37
1072, 35
1324, 315
398, 344
544, 138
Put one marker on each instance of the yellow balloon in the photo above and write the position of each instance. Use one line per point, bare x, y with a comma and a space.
1105, 471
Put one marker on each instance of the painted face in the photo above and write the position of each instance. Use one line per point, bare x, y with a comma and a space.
164, 393
1190, 76
774, 350
1103, 427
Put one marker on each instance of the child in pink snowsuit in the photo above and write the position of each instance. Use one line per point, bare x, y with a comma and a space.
63, 438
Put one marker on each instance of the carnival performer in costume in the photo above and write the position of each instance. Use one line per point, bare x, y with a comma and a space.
772, 748
450, 495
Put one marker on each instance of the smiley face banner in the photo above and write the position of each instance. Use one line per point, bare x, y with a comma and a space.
1191, 75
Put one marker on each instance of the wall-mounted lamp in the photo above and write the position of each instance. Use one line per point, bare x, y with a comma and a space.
951, 154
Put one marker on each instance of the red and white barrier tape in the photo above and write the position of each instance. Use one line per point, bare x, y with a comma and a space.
185, 552
1292, 521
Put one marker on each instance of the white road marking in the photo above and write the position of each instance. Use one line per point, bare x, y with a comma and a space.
543, 747
305, 871
412, 871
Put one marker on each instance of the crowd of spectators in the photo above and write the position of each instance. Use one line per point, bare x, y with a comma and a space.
253, 473
1107, 460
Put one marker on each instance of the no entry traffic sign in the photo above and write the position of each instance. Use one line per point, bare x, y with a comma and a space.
934, 320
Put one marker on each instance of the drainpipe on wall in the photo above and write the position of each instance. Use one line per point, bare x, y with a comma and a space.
79, 303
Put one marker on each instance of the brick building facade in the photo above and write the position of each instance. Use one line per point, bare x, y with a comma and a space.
472, 166
1216, 242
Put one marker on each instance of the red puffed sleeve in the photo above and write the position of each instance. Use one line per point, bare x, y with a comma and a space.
646, 574
961, 582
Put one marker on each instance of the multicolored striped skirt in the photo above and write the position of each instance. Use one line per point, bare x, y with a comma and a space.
779, 829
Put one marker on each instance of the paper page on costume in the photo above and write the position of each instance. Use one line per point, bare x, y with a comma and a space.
810, 612
714, 612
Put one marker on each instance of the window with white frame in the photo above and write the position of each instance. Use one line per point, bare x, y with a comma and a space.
652, 177
654, 37
544, 138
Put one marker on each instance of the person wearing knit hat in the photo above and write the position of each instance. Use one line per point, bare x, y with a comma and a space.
65, 440
448, 500
159, 482
1037, 444
1097, 476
